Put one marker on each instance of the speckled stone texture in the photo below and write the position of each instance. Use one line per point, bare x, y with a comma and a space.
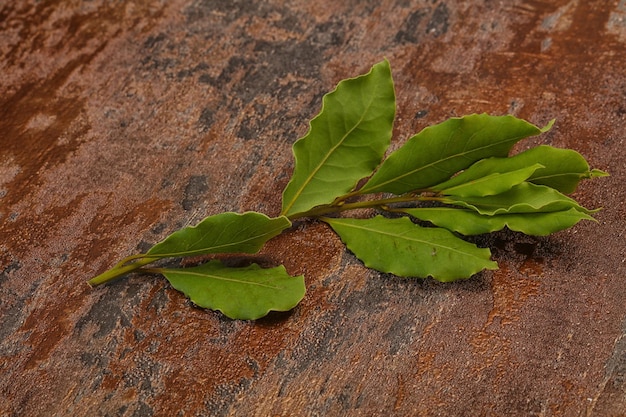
121, 122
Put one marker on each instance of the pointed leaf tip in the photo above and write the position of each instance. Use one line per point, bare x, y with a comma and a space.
345, 141
548, 126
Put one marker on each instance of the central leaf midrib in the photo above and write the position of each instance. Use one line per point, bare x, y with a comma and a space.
411, 239
488, 178
204, 249
220, 278
399, 177
326, 157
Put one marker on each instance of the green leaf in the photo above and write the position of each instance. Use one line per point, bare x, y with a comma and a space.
400, 247
523, 198
245, 293
345, 142
468, 222
221, 233
562, 169
467, 185
438, 152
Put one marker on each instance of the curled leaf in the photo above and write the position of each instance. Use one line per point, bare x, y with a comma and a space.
469, 222
523, 198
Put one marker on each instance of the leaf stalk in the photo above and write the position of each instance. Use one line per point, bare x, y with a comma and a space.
340, 205
122, 268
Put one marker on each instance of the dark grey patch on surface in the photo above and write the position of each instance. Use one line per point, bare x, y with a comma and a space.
159, 228
144, 246
421, 113
424, 21
143, 410
106, 313
205, 79
616, 365
331, 33
396, 336
188, 72
614, 387
323, 341
10, 321
139, 409
439, 22
194, 191
206, 119
410, 30
11, 267
224, 396
250, 126
152, 41
273, 61
92, 358
159, 301
229, 10
142, 374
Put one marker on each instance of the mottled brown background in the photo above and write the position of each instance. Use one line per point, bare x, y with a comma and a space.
123, 121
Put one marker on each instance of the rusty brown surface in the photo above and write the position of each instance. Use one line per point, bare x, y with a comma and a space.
123, 121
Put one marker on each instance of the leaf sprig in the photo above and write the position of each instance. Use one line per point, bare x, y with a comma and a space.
461, 168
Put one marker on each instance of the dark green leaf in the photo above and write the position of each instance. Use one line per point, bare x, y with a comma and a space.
222, 233
405, 249
438, 152
468, 222
245, 293
345, 142
523, 198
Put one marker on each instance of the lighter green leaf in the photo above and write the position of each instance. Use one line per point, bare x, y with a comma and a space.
562, 168
246, 293
403, 248
345, 142
523, 198
438, 152
468, 222
465, 185
222, 233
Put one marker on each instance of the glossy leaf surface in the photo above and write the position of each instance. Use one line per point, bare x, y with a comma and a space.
345, 142
438, 152
400, 247
523, 198
222, 233
246, 293
468, 222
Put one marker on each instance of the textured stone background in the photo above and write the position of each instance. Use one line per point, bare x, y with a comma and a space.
123, 121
